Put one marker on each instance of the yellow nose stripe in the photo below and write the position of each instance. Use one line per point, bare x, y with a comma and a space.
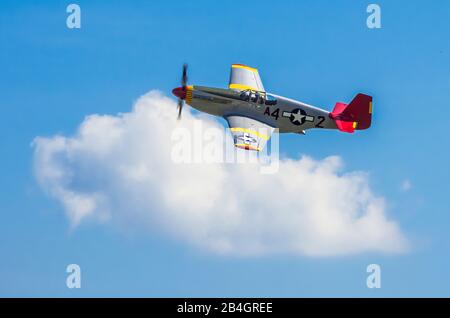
189, 90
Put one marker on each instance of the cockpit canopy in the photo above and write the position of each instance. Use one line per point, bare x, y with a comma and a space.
270, 100
258, 97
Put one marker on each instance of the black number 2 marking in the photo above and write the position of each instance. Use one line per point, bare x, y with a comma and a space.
321, 120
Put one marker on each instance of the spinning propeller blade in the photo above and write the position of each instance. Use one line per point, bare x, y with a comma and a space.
182, 95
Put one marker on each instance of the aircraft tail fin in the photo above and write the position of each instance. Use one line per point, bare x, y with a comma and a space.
355, 116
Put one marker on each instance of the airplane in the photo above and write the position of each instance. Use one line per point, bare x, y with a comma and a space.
253, 114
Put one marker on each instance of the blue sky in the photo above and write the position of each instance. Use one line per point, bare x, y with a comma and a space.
318, 52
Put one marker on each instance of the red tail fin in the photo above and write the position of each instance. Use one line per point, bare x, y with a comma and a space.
355, 116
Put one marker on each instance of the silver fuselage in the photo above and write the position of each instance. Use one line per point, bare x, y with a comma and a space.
288, 115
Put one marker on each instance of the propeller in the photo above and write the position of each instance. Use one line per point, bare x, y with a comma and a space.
182, 96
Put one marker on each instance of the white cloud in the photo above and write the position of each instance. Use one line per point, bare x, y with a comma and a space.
118, 169
406, 185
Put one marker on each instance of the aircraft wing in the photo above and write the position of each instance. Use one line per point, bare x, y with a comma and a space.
244, 77
248, 133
